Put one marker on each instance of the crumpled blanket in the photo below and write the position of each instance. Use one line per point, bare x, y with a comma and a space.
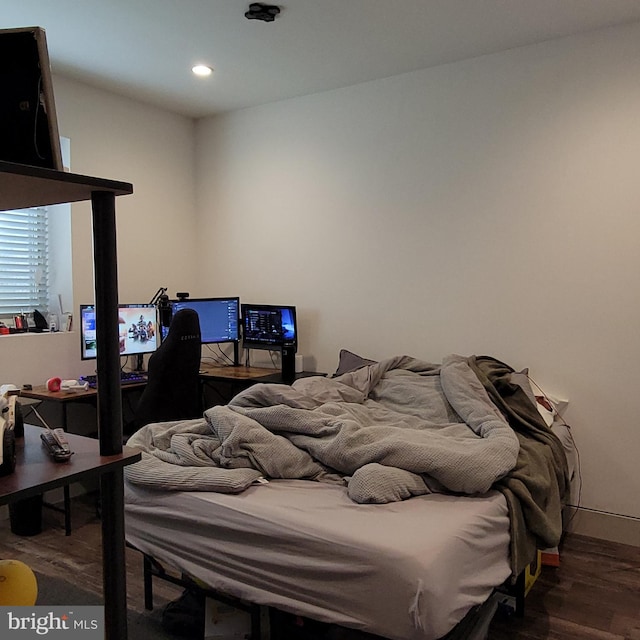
391, 430
537, 487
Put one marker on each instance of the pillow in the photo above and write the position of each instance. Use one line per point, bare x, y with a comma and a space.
348, 362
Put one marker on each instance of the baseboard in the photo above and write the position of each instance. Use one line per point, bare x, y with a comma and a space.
605, 526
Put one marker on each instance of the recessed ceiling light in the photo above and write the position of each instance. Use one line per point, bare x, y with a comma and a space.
202, 70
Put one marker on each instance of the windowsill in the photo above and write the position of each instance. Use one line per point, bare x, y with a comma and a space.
34, 333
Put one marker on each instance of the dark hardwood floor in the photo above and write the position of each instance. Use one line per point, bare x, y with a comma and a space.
593, 595
78, 558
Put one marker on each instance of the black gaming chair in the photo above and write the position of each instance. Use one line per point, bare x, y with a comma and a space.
173, 386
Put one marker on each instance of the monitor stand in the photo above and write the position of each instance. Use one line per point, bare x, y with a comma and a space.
288, 360
139, 363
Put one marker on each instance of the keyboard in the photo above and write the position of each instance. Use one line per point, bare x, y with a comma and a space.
126, 377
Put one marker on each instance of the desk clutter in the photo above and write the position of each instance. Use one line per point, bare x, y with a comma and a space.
56, 384
37, 323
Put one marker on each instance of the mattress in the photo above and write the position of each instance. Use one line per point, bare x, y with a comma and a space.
406, 570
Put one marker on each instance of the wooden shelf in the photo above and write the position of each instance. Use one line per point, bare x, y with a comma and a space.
23, 186
36, 472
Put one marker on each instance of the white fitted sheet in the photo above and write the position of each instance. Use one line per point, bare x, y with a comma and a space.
405, 570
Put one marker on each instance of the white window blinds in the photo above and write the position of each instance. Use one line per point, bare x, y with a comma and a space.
24, 261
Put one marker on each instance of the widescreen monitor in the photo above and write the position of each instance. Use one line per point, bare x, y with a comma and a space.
137, 330
268, 326
219, 317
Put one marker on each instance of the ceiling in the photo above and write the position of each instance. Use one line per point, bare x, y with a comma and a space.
146, 48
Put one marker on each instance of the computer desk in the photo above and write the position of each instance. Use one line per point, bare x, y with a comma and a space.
230, 372
219, 384
65, 397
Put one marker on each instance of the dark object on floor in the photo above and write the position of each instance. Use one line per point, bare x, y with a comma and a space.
184, 617
26, 516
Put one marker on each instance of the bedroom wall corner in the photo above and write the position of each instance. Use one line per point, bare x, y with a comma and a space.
483, 207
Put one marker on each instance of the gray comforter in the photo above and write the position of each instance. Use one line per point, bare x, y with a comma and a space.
394, 429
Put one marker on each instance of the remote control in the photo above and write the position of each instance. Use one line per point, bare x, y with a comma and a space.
56, 445
61, 437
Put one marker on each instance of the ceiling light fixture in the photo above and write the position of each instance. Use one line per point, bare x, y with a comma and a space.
202, 70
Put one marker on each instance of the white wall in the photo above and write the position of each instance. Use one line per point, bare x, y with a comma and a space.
120, 139
116, 138
485, 207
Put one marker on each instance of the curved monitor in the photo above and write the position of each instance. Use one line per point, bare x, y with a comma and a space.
267, 326
219, 317
137, 329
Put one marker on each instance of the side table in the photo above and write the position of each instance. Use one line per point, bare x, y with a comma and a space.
36, 472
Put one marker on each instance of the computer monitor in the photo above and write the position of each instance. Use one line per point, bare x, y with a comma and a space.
137, 328
268, 326
219, 317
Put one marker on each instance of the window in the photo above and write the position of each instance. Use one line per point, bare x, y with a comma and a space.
24, 261
35, 258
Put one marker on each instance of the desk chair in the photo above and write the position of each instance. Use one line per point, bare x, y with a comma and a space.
173, 386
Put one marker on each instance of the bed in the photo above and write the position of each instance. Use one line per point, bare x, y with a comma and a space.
392, 498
